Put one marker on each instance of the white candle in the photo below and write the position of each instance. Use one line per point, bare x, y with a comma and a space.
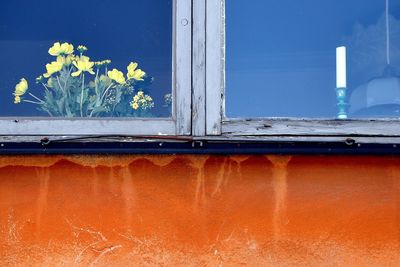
341, 80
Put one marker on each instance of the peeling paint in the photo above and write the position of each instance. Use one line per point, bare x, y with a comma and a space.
279, 178
199, 210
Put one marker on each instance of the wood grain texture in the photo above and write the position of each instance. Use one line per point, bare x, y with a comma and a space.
199, 69
51, 126
183, 66
215, 65
303, 127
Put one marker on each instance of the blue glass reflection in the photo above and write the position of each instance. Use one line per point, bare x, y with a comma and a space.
280, 58
122, 30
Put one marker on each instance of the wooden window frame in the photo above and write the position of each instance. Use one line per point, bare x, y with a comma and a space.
303, 129
199, 102
178, 124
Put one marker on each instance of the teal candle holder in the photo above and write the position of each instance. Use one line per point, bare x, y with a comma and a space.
341, 103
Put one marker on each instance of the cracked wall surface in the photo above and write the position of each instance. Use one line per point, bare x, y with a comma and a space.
199, 210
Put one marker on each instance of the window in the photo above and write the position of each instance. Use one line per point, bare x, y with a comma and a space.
95, 67
212, 68
288, 68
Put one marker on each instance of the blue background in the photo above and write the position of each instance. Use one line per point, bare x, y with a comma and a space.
281, 54
120, 30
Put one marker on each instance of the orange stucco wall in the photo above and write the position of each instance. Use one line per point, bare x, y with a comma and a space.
199, 210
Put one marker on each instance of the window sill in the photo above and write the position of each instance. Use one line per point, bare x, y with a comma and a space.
312, 127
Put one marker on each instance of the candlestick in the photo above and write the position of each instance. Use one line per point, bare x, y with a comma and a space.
341, 103
341, 82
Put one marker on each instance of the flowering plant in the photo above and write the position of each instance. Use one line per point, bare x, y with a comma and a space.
75, 86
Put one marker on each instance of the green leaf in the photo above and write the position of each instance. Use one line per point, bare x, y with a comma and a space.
98, 110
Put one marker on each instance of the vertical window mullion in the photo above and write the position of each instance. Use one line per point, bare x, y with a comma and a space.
199, 68
215, 39
182, 66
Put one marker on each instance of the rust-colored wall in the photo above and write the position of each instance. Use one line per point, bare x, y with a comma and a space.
199, 210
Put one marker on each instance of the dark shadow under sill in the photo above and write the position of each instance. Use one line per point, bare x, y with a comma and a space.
223, 145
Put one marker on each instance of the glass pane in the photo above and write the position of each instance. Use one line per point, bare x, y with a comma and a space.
73, 58
281, 58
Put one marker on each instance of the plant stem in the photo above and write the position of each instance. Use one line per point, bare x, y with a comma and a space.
66, 80
62, 90
96, 88
59, 84
83, 87
32, 102
97, 77
105, 92
48, 112
67, 91
47, 89
96, 82
37, 98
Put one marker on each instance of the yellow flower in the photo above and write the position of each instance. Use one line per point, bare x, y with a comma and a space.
20, 89
132, 66
61, 49
117, 76
66, 60
103, 63
17, 99
50, 83
40, 79
81, 49
54, 67
134, 105
142, 101
133, 73
83, 64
